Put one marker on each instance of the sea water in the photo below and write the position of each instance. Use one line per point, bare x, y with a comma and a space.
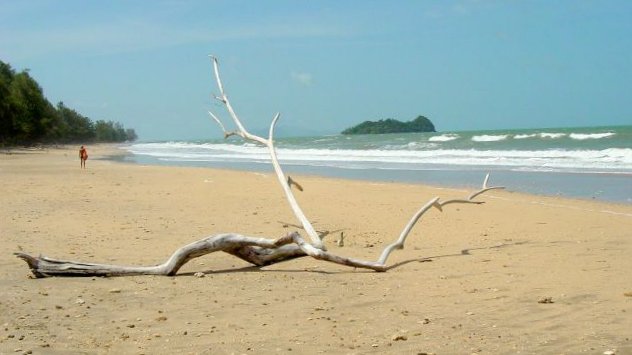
588, 162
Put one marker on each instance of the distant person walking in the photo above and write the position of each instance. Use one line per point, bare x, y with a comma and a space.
83, 155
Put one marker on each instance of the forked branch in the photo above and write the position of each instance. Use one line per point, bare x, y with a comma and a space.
269, 143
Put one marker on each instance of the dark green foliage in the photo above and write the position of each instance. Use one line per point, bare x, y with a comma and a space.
389, 125
110, 131
6, 114
75, 127
27, 117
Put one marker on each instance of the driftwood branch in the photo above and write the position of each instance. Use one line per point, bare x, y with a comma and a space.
257, 251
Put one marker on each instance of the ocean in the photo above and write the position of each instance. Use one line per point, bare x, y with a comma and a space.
586, 162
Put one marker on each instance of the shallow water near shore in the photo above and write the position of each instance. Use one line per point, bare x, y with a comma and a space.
585, 162
598, 186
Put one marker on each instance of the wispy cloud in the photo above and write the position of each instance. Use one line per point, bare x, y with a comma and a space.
302, 78
459, 8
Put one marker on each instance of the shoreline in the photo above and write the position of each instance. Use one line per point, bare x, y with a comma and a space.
115, 153
604, 187
471, 277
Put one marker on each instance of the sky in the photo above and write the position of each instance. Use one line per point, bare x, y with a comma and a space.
327, 65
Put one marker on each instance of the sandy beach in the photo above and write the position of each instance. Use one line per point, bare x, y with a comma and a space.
520, 274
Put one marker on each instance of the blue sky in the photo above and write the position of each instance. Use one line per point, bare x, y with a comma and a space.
327, 65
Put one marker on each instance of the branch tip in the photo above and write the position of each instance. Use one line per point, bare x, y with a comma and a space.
291, 183
273, 126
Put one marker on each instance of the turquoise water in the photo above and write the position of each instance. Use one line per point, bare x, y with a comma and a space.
586, 162
584, 138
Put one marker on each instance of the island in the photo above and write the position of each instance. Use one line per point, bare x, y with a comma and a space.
390, 125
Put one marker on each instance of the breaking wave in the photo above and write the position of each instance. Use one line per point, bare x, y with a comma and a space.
606, 160
443, 138
490, 138
583, 136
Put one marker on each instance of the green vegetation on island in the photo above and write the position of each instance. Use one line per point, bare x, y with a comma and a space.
389, 125
27, 117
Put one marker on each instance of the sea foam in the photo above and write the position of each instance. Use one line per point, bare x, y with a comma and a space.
524, 136
552, 135
490, 138
612, 159
584, 136
444, 138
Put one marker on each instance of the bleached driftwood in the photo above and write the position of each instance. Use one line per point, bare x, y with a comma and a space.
257, 251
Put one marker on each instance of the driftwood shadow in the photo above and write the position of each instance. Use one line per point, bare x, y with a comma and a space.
464, 252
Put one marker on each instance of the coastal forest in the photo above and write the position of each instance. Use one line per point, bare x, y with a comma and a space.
390, 125
28, 118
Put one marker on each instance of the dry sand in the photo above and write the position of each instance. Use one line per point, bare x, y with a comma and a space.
479, 292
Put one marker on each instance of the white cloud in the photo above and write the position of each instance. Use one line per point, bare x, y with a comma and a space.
302, 78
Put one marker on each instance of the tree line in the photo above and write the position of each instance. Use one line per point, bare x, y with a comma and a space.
27, 117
